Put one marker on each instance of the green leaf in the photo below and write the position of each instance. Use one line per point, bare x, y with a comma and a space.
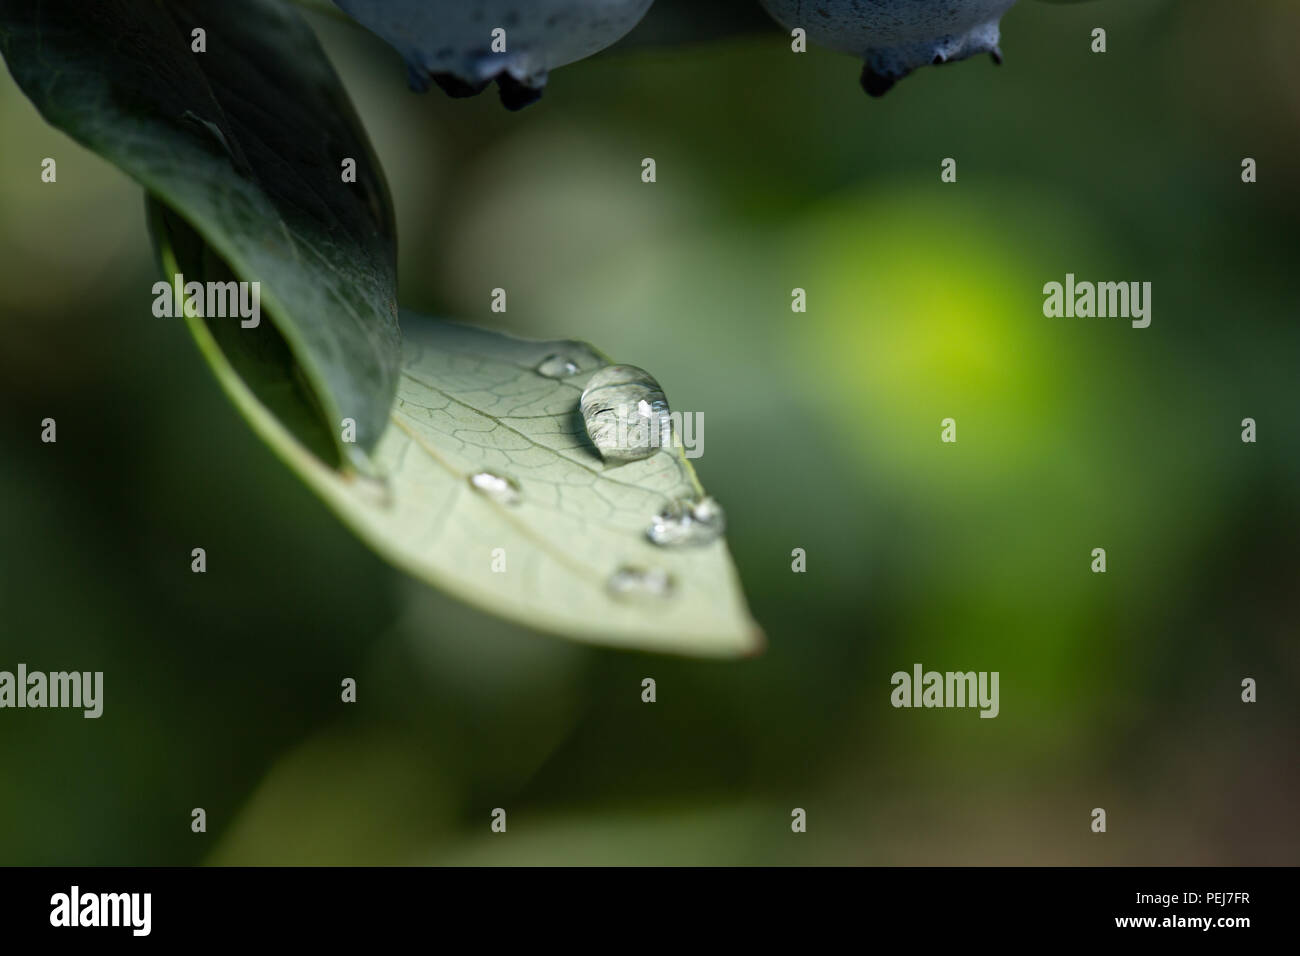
471, 401
245, 144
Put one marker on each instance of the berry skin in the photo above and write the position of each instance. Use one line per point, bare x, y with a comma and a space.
450, 41
895, 37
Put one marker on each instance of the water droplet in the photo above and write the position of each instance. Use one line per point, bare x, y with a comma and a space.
557, 366
496, 487
626, 413
636, 582
686, 522
576, 357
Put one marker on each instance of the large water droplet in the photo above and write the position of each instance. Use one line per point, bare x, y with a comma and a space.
685, 522
626, 413
637, 582
498, 488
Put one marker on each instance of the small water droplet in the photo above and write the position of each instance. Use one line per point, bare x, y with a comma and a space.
626, 413
575, 357
498, 488
636, 582
557, 366
688, 523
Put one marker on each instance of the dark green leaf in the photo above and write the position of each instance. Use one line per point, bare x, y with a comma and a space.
245, 144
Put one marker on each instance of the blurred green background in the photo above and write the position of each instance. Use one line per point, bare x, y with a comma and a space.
1119, 691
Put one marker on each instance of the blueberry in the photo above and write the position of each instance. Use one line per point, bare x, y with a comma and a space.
894, 37
451, 42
